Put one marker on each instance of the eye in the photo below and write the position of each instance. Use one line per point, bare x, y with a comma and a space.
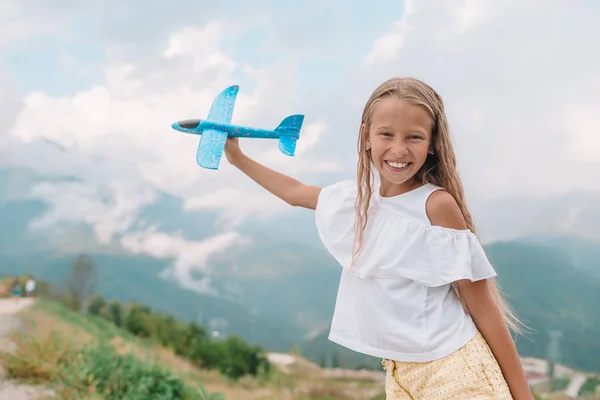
415, 137
386, 134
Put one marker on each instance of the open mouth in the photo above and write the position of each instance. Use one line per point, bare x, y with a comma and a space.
397, 166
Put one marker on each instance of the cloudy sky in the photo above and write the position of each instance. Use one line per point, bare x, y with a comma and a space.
90, 89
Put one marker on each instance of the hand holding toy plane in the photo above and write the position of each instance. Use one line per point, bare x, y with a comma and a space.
217, 127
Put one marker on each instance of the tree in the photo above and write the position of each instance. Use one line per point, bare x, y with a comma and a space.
136, 320
115, 311
323, 361
335, 358
81, 282
96, 304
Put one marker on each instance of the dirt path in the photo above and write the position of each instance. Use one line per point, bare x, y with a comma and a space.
10, 390
575, 385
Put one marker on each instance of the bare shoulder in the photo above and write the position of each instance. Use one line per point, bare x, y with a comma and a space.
443, 210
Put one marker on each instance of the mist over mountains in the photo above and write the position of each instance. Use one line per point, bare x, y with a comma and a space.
276, 286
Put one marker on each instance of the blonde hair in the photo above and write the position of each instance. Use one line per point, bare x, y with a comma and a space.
439, 169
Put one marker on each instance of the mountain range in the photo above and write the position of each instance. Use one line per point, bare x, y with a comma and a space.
280, 291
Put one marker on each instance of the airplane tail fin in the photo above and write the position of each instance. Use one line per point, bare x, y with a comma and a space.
287, 145
289, 131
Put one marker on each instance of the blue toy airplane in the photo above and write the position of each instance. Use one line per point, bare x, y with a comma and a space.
217, 127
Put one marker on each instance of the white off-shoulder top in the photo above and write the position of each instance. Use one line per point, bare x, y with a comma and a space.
397, 302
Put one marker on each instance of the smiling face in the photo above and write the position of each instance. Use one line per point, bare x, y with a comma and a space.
399, 138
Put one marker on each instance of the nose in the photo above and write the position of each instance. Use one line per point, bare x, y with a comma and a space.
399, 147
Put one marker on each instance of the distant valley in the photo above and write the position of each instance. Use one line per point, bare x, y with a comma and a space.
280, 292
282, 295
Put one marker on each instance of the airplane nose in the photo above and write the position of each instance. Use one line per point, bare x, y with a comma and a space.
187, 126
189, 123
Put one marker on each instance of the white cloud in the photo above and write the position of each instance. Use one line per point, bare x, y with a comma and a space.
386, 47
200, 49
9, 106
572, 214
311, 135
126, 120
147, 26
189, 256
235, 205
23, 19
109, 210
520, 83
519, 80
583, 120
469, 14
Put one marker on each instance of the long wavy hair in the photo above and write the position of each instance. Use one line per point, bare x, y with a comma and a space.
439, 168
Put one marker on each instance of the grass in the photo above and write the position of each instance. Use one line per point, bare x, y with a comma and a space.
93, 325
84, 358
94, 369
89, 358
560, 383
39, 357
590, 386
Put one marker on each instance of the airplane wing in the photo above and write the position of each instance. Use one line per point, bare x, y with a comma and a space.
210, 149
222, 108
212, 141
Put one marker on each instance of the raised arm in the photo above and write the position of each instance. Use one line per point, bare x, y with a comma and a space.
285, 187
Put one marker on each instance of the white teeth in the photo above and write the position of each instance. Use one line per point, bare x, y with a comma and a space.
397, 165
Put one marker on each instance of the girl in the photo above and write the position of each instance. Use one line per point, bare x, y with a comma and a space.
416, 286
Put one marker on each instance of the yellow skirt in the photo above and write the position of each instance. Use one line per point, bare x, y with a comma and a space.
470, 373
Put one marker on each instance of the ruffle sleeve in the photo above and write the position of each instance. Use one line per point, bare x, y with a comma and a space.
395, 248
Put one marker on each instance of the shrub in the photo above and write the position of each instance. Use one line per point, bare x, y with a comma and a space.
590, 386
233, 357
97, 368
117, 376
38, 357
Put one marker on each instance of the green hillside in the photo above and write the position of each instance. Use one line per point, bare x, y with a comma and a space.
583, 254
283, 281
72, 357
549, 293
248, 310
284, 291
124, 351
136, 278
277, 291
